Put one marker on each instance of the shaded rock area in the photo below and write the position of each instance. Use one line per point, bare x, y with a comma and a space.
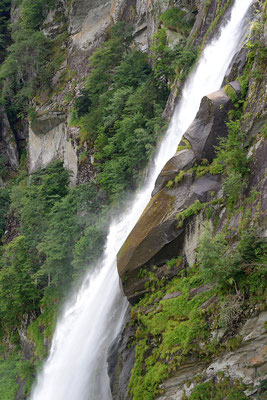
121, 359
209, 125
12, 227
8, 146
45, 123
55, 143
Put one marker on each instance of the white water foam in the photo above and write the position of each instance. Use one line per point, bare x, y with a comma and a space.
76, 368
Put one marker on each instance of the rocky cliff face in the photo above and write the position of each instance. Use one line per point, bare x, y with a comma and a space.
87, 25
190, 193
158, 263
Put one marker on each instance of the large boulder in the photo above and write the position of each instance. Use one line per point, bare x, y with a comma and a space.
182, 160
157, 237
210, 122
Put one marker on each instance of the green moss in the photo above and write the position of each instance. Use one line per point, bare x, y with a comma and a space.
173, 327
184, 144
222, 389
194, 209
230, 92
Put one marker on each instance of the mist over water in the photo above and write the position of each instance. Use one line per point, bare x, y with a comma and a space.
76, 368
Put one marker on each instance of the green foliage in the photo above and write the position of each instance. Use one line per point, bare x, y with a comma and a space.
232, 187
8, 374
175, 19
61, 231
231, 150
166, 334
120, 112
27, 373
5, 6
34, 13
228, 266
230, 92
194, 209
162, 57
4, 207
223, 389
171, 63
25, 69
18, 291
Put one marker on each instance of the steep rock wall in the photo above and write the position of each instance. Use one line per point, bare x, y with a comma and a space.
141, 258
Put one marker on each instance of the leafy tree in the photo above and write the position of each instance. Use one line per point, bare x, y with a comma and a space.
175, 19
4, 207
225, 265
18, 292
34, 12
25, 69
162, 57
5, 6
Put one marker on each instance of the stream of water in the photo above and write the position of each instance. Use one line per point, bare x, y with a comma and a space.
76, 368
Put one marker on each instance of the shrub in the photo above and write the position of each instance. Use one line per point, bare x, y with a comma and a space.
175, 19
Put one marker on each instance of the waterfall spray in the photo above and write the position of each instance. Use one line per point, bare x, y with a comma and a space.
76, 367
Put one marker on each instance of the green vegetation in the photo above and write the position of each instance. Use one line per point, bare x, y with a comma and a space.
223, 389
61, 231
226, 266
175, 19
34, 13
194, 209
4, 207
8, 374
169, 64
166, 335
170, 330
31, 59
119, 111
5, 6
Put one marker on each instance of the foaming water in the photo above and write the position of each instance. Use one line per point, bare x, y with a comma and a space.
76, 367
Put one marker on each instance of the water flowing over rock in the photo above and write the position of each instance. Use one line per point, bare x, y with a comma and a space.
94, 316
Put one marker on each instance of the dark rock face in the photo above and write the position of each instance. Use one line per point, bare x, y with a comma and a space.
12, 228
183, 160
45, 123
237, 66
8, 145
209, 125
121, 359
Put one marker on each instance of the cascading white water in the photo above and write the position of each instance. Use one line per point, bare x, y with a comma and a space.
76, 367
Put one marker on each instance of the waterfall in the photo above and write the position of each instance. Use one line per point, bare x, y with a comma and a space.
76, 367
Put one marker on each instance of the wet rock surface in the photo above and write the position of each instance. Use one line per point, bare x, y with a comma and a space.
121, 358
